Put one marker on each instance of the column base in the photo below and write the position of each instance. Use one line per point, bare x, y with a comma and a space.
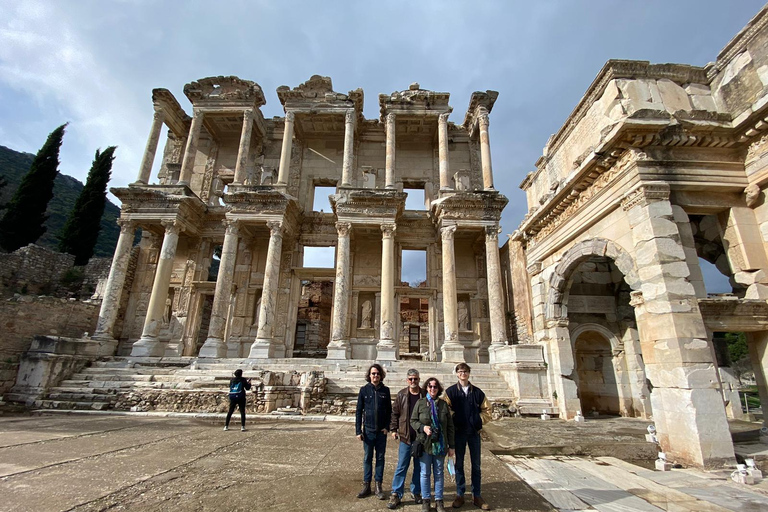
453, 353
386, 351
148, 347
213, 347
262, 349
340, 351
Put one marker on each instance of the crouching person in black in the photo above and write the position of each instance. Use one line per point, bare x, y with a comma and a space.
238, 385
374, 410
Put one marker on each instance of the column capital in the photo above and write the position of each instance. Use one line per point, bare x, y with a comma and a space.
343, 228
388, 230
390, 120
492, 233
126, 225
275, 228
159, 114
443, 118
290, 116
645, 194
349, 116
248, 114
197, 113
232, 226
172, 227
483, 117
447, 232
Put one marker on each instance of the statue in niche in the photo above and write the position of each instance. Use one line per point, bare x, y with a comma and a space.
365, 322
463, 315
167, 312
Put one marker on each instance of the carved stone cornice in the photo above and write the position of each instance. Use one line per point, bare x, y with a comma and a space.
415, 100
479, 206
152, 204
223, 89
739, 43
174, 116
368, 204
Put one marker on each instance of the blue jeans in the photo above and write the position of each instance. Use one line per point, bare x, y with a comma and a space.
374, 441
464, 439
435, 464
403, 461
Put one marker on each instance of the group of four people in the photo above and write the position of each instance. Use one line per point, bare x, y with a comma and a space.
430, 426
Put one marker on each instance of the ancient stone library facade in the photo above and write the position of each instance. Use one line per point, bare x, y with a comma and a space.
596, 303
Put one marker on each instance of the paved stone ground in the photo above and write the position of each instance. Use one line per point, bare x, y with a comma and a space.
95, 462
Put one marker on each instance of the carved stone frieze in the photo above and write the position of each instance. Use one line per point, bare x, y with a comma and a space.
224, 89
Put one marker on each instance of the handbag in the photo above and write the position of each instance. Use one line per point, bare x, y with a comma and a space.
417, 450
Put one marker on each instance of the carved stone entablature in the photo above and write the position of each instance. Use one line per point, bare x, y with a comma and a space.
152, 204
480, 103
481, 206
368, 206
414, 99
259, 200
645, 193
174, 116
731, 314
534, 268
317, 92
224, 89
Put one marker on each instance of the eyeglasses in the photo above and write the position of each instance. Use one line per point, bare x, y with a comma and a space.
413, 379
433, 387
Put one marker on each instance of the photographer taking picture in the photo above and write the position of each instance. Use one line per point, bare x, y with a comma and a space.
238, 385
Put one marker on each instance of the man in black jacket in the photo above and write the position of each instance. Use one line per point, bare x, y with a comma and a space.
471, 410
374, 410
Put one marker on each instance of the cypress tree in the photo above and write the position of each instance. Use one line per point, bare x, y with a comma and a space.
84, 222
23, 221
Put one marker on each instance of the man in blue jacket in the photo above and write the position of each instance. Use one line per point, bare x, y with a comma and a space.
374, 411
471, 410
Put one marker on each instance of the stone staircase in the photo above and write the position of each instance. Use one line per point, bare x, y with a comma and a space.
98, 386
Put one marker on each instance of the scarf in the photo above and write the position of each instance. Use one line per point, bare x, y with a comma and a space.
438, 445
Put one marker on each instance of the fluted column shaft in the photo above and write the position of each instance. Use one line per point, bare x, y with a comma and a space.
339, 346
386, 347
149, 152
442, 140
216, 345
191, 150
485, 151
285, 153
245, 146
390, 160
495, 295
263, 347
349, 147
110, 304
452, 349
148, 345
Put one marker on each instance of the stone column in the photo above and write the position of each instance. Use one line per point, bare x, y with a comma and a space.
149, 152
485, 150
245, 146
386, 348
339, 347
216, 344
390, 162
264, 346
285, 153
349, 148
495, 294
687, 408
191, 151
148, 344
758, 356
110, 304
442, 140
453, 351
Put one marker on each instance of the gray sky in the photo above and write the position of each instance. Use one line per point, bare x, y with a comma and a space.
94, 62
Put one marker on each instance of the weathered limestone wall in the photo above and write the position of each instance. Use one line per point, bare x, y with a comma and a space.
27, 316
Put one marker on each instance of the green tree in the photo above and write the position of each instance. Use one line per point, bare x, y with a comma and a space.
23, 221
84, 222
738, 353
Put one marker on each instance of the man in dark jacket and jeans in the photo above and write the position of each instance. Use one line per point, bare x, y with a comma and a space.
471, 410
400, 426
374, 410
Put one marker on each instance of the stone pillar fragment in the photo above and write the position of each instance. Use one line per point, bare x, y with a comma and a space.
349, 147
386, 347
285, 153
148, 344
687, 407
442, 140
110, 304
339, 347
485, 150
149, 152
191, 151
216, 345
245, 146
758, 356
264, 346
390, 160
453, 351
495, 293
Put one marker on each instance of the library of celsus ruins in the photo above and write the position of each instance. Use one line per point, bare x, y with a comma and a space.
595, 304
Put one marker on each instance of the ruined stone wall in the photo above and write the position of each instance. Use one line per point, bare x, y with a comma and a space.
26, 316
34, 269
